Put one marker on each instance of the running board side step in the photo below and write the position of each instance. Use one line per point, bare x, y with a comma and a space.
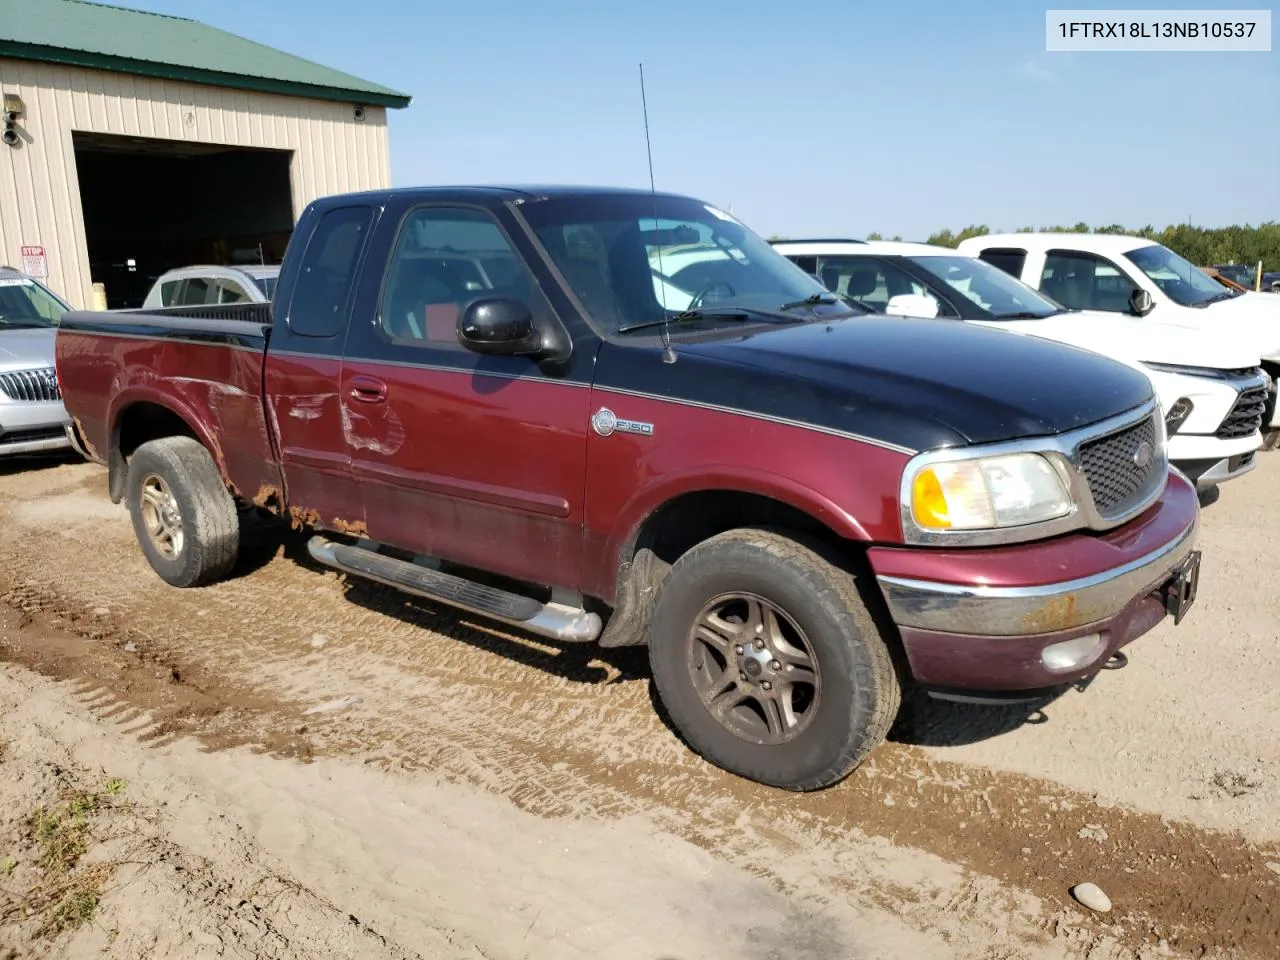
554, 620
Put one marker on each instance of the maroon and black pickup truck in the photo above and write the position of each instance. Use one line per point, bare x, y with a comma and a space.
620, 417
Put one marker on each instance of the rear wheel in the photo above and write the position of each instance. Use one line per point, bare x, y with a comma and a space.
183, 516
768, 661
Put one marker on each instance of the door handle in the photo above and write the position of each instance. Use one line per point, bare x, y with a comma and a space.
368, 390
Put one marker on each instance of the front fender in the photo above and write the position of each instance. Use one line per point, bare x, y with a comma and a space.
734, 479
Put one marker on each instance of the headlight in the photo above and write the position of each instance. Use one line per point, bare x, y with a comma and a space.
987, 493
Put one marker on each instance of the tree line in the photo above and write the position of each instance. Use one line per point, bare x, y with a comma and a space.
1203, 246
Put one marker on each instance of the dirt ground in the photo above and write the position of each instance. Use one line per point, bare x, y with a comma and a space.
295, 765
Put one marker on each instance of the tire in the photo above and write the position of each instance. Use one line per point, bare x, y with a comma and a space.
848, 710
204, 544
1270, 438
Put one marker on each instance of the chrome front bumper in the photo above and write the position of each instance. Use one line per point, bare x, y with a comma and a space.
1029, 611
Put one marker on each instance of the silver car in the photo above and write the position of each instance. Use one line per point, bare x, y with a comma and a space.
193, 286
32, 417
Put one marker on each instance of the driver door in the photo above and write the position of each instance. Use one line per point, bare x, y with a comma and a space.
475, 459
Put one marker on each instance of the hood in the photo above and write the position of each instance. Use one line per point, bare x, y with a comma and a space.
1138, 341
915, 383
1253, 318
26, 348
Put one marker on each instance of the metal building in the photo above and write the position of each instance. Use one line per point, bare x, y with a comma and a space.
135, 142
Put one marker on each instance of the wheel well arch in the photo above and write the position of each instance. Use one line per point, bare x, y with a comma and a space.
680, 523
138, 423
683, 521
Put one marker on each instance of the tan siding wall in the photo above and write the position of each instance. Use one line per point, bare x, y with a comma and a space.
39, 189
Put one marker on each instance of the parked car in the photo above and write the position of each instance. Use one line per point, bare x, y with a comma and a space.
796, 505
192, 286
1213, 391
32, 417
1130, 275
1225, 280
1242, 276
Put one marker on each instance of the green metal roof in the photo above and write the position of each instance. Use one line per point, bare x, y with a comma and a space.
83, 34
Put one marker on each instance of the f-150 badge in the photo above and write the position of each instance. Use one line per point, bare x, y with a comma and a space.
604, 422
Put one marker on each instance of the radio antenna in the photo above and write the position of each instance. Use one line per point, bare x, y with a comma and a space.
668, 354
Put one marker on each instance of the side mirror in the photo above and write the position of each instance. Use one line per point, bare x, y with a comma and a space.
912, 305
1140, 303
499, 325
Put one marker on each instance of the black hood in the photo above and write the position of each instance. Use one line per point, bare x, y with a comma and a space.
907, 382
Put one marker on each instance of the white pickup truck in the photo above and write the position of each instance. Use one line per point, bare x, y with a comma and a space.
1213, 390
1111, 273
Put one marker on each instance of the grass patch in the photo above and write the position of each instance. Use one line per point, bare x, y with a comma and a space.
67, 893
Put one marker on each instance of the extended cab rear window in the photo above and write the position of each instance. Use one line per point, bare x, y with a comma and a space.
1009, 260
322, 292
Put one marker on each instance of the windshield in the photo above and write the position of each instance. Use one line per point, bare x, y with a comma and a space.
25, 303
267, 285
1181, 282
634, 259
989, 288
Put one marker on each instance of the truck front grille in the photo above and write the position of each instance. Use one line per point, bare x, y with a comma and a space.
1246, 415
31, 386
1118, 478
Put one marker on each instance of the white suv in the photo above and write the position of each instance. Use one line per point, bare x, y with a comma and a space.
1213, 390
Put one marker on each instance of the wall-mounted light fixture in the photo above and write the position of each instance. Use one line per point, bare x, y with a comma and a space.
13, 109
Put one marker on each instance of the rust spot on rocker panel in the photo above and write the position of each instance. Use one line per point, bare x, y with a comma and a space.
353, 528
300, 517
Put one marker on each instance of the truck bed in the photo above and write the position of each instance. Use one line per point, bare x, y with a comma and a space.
209, 360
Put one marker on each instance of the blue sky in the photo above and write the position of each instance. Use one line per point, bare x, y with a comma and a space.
809, 117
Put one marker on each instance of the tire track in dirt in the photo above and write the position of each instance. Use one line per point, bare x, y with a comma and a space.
573, 733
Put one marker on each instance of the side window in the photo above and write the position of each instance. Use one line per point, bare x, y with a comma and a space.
1010, 261
873, 282
1082, 281
444, 258
195, 291
807, 264
169, 292
328, 271
231, 292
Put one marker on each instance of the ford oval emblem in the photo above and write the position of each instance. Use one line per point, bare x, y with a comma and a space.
1142, 456
604, 422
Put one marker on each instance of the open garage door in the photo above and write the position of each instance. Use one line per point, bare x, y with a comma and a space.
152, 205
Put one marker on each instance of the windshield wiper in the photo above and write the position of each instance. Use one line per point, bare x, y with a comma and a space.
826, 300
1020, 315
814, 300
690, 316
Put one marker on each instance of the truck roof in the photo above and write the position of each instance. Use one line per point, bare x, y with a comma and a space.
864, 248
1110, 244
501, 192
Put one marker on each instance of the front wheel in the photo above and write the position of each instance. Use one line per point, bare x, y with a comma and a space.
768, 661
183, 515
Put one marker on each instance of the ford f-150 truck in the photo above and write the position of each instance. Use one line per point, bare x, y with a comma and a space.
479, 396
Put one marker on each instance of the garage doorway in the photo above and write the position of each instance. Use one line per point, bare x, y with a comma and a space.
152, 205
